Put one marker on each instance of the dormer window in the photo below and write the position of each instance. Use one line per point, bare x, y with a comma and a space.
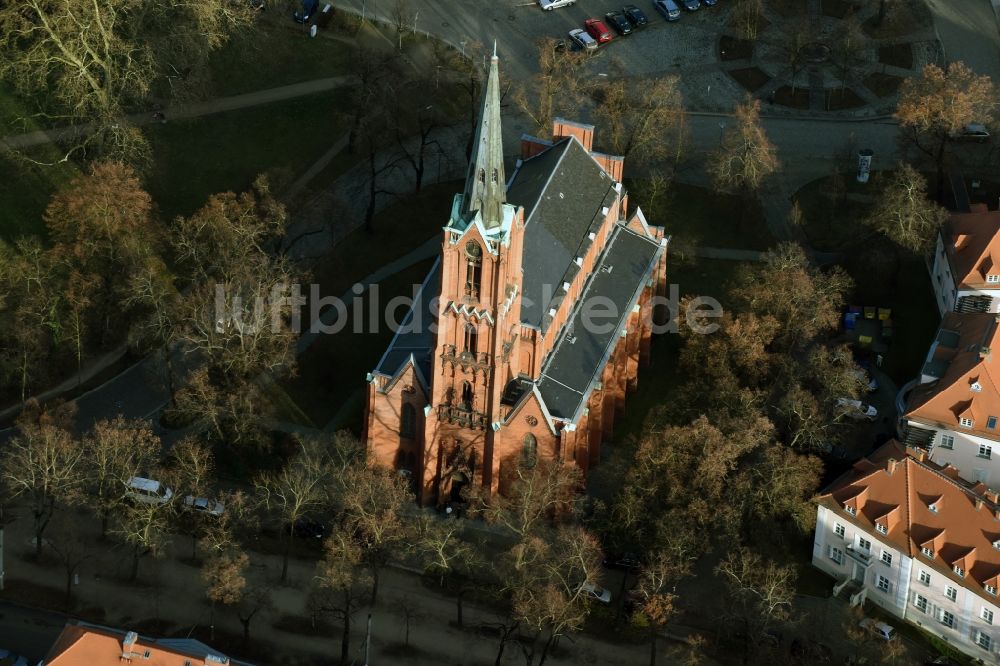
959, 571
976, 387
932, 507
850, 509
928, 552
965, 422
881, 528
990, 589
993, 279
996, 544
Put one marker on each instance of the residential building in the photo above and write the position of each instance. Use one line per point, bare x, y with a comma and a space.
920, 542
84, 644
516, 366
954, 412
966, 268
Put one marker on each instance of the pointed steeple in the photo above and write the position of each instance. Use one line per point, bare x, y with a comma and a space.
485, 182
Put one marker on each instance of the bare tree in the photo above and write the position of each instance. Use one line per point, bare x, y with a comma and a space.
404, 20
341, 579
297, 491
372, 499
645, 122
92, 62
760, 594
225, 581
746, 157
71, 549
42, 464
747, 17
558, 87
114, 451
905, 215
144, 526
934, 108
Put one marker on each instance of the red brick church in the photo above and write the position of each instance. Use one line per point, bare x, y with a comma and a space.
529, 329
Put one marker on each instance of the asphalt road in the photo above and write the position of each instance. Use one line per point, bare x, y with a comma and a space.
28, 632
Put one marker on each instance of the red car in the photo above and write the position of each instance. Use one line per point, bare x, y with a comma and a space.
597, 30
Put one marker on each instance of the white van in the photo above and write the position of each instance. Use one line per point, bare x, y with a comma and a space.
148, 491
880, 629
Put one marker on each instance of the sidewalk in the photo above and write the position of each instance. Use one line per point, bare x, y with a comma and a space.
179, 112
173, 591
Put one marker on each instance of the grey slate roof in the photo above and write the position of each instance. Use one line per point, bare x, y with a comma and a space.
416, 334
562, 191
580, 354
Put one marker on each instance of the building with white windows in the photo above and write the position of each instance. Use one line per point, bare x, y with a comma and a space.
966, 268
953, 414
920, 542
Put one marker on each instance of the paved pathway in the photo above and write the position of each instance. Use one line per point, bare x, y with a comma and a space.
208, 107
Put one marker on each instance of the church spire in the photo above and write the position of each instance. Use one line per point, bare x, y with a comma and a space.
485, 182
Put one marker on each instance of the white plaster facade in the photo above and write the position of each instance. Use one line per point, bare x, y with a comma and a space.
977, 458
946, 291
911, 588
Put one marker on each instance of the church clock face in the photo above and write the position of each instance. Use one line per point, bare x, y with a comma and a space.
472, 249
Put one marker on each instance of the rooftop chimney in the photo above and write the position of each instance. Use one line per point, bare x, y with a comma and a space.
891, 466
128, 643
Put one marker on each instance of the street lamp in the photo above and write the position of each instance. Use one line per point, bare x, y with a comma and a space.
722, 132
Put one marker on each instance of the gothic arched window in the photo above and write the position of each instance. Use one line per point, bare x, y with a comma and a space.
482, 175
529, 451
496, 175
466, 395
474, 268
407, 421
471, 338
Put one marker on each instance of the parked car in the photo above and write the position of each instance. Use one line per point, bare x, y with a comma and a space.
304, 528
596, 592
709, 3
625, 561
204, 505
974, 131
668, 8
8, 658
635, 16
691, 5
879, 629
857, 409
582, 39
549, 5
305, 14
595, 28
618, 21
148, 491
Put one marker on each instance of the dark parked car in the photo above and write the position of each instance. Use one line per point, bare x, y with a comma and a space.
668, 8
691, 5
618, 21
635, 16
626, 561
305, 528
305, 14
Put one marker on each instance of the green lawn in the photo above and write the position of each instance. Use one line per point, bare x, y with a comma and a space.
695, 215
278, 53
332, 372
198, 157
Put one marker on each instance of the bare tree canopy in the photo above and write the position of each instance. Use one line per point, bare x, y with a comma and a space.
746, 156
643, 120
935, 106
96, 61
556, 90
904, 214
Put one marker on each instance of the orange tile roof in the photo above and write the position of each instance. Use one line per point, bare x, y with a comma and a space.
967, 357
82, 644
961, 530
972, 242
